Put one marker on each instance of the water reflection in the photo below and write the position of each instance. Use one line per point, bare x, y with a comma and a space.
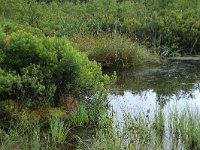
176, 83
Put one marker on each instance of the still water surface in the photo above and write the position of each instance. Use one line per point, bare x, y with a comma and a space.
147, 88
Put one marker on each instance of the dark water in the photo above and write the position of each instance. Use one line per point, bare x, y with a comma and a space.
147, 88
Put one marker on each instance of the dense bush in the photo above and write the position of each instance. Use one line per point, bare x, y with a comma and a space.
47, 69
183, 31
171, 27
174, 30
9, 83
9, 26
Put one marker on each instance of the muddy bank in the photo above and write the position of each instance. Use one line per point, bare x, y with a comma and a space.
195, 58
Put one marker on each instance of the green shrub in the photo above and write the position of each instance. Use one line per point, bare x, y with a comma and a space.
9, 83
25, 49
47, 69
36, 87
58, 113
183, 30
2, 37
172, 27
175, 29
9, 26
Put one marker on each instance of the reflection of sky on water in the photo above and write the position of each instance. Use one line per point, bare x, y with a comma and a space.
136, 103
175, 84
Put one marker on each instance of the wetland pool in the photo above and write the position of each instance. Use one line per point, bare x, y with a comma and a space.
174, 84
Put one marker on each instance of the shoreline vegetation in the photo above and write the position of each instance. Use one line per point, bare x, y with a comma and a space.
174, 130
52, 86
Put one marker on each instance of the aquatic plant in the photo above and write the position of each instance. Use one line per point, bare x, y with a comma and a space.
159, 124
177, 131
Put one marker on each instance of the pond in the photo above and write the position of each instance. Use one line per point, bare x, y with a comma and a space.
149, 87
171, 87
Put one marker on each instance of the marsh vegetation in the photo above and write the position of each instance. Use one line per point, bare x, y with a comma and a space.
54, 93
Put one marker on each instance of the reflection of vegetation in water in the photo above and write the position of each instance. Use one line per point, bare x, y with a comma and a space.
171, 80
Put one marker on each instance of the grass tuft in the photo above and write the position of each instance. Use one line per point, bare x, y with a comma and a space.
59, 130
113, 50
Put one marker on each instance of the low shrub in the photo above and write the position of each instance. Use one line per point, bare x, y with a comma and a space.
183, 30
40, 70
9, 84
9, 26
175, 31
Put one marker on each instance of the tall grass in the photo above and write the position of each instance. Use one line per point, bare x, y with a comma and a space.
59, 130
177, 130
34, 136
185, 127
136, 133
113, 50
20, 138
79, 116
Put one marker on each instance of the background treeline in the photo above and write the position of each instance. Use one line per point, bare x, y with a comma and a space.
169, 27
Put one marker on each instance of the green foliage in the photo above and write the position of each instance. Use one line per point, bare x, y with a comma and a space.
181, 34
9, 26
45, 69
185, 125
36, 88
108, 139
135, 133
158, 24
59, 130
26, 56
184, 30
159, 123
140, 131
24, 50
57, 113
9, 84
113, 50
2, 36
79, 116
20, 137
